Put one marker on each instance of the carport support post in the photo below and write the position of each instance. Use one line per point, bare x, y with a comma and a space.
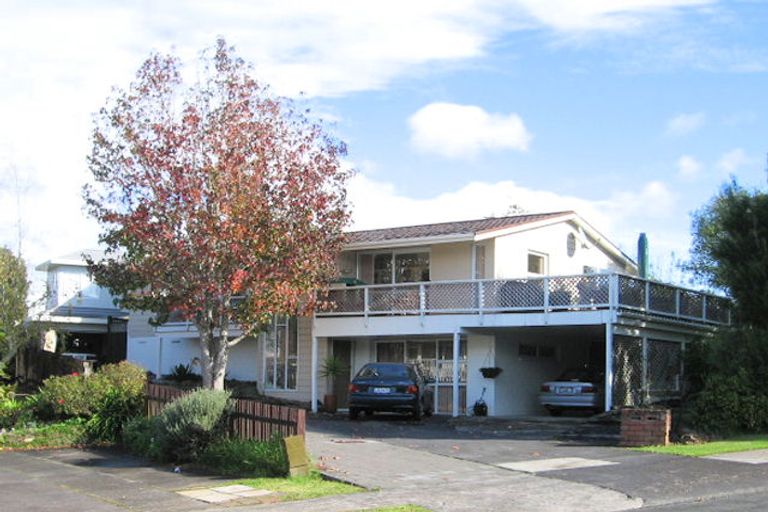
314, 373
455, 404
608, 366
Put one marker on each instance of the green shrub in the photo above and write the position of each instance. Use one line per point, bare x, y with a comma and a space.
140, 435
76, 395
183, 373
190, 423
728, 382
106, 424
235, 457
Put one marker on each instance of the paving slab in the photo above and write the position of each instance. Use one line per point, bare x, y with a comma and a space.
750, 457
207, 495
558, 464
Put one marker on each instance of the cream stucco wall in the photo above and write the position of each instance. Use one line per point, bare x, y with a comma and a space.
451, 261
511, 252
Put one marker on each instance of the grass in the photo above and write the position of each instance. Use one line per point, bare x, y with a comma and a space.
401, 508
734, 444
301, 487
52, 435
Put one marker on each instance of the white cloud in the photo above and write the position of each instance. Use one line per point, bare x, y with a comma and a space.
613, 15
733, 160
684, 124
453, 130
621, 215
688, 167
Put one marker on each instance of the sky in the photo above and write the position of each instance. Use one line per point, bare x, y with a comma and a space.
631, 112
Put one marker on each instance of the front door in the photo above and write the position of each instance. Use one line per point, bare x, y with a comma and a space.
342, 350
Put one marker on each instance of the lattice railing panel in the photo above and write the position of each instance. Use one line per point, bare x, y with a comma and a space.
661, 298
394, 298
578, 291
346, 300
691, 304
717, 309
631, 292
519, 294
664, 366
627, 371
451, 296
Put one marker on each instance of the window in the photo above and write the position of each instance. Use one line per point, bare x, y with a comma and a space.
479, 257
394, 267
537, 263
540, 351
571, 244
281, 354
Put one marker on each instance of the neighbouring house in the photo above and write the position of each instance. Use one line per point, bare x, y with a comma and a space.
529, 294
82, 314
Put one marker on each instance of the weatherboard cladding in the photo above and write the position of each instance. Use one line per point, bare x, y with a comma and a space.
466, 227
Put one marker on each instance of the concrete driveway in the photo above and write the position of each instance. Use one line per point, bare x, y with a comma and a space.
571, 450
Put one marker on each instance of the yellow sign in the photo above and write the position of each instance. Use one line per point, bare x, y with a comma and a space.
298, 460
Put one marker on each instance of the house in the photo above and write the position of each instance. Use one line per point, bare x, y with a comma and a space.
530, 294
81, 313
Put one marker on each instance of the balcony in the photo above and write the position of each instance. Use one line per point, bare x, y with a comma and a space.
547, 294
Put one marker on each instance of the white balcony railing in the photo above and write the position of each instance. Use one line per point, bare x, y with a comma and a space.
546, 294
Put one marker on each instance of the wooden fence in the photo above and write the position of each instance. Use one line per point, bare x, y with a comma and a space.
250, 419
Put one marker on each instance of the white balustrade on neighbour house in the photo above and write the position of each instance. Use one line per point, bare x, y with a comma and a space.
545, 294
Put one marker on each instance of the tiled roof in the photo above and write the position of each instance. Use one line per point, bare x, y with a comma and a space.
465, 227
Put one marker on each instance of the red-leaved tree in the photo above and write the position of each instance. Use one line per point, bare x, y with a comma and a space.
218, 202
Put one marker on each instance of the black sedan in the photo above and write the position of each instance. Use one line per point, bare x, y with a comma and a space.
392, 387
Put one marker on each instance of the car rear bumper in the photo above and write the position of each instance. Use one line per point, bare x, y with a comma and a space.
390, 402
587, 400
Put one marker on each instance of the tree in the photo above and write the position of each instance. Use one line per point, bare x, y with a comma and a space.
13, 305
730, 249
218, 202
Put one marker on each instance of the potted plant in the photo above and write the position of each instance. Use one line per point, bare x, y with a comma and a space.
332, 368
490, 372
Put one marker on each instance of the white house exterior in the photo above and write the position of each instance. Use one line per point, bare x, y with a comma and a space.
530, 294
82, 311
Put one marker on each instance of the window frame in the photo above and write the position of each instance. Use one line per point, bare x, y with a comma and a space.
393, 253
290, 339
544, 263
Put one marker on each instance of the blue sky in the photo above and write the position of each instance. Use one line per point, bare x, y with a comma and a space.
632, 112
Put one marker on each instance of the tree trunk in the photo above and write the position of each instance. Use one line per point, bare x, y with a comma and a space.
215, 354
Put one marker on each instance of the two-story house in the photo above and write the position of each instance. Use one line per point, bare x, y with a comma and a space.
81, 312
530, 294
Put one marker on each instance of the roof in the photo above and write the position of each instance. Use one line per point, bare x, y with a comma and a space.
87, 312
449, 229
73, 259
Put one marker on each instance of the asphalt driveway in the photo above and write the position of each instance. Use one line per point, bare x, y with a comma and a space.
666, 482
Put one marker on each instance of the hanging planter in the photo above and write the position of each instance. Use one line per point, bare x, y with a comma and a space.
490, 372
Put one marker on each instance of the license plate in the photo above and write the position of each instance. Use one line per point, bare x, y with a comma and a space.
382, 391
566, 390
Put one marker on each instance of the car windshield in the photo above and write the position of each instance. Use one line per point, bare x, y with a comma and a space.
384, 371
577, 374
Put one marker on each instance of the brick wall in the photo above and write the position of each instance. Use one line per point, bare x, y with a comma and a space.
645, 427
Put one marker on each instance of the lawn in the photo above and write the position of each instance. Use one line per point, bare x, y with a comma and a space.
54, 435
734, 444
302, 487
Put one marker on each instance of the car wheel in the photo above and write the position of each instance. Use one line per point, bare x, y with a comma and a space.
555, 411
353, 413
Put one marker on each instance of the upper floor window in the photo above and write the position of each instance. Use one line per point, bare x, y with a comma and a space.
478, 271
281, 354
394, 267
537, 263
